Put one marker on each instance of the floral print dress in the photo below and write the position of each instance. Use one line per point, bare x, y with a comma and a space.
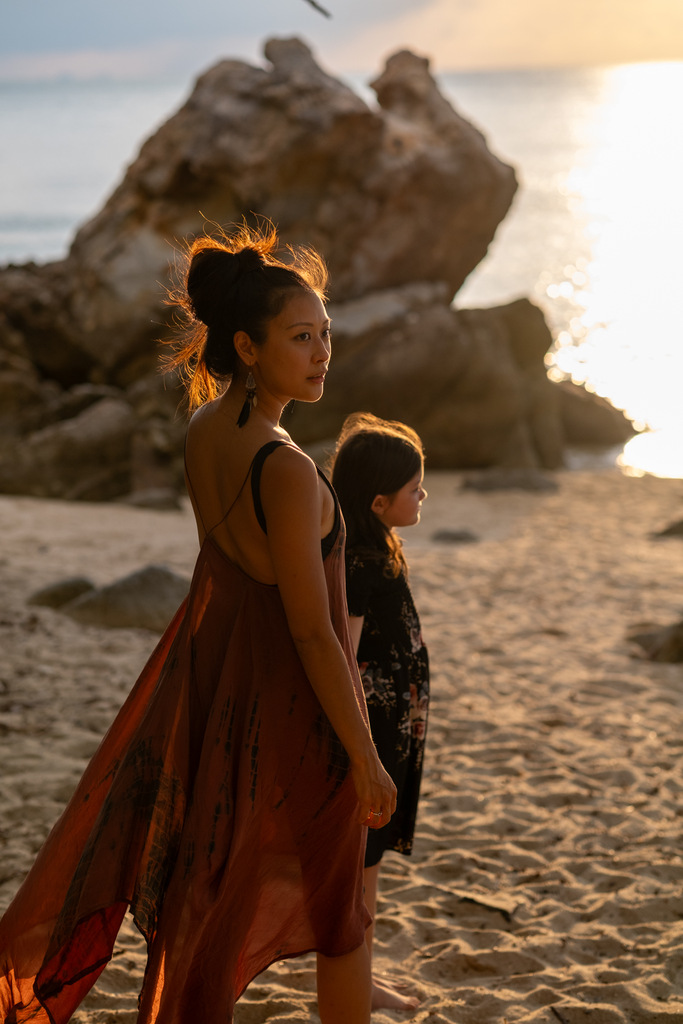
394, 669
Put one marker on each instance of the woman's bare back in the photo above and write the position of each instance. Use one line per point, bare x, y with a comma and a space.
218, 461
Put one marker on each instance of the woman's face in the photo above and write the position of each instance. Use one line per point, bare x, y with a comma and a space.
403, 508
293, 360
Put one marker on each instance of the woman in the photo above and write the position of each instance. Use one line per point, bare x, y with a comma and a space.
227, 804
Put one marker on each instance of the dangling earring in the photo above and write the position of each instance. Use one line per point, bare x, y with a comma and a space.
249, 402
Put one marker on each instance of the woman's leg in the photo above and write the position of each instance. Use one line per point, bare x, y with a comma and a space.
384, 995
344, 987
370, 878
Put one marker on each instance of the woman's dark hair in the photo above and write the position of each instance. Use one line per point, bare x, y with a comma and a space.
228, 283
372, 457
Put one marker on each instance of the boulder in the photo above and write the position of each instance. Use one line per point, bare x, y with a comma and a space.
21, 386
674, 529
471, 382
56, 595
146, 599
504, 479
379, 190
87, 456
36, 302
588, 419
158, 499
455, 537
59, 406
659, 643
402, 197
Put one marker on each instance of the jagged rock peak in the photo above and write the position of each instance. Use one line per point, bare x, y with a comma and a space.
293, 60
407, 89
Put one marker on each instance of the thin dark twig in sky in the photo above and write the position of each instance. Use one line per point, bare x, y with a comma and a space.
319, 7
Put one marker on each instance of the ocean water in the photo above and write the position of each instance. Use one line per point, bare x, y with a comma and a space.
594, 233
66, 145
593, 236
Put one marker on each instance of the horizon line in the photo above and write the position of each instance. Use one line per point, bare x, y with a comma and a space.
178, 76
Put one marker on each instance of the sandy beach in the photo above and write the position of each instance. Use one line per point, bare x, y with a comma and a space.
546, 881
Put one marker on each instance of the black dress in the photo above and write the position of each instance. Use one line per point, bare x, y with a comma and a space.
394, 669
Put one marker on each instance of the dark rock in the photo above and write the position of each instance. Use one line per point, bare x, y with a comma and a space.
86, 457
451, 374
466, 380
672, 530
65, 405
36, 304
660, 643
455, 537
56, 595
509, 480
146, 599
21, 387
161, 499
588, 419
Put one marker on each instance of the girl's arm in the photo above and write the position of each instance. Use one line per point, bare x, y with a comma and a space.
355, 629
292, 503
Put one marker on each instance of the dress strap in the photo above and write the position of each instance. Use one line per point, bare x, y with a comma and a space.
256, 469
190, 487
328, 542
262, 454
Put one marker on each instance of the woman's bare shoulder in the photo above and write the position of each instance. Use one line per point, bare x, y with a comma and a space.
288, 456
289, 470
203, 418
210, 436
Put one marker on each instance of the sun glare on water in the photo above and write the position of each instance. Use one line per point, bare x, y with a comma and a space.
624, 337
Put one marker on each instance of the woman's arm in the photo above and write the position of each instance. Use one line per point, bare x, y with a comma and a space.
292, 503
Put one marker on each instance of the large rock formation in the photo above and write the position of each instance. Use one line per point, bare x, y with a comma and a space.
473, 382
380, 192
402, 199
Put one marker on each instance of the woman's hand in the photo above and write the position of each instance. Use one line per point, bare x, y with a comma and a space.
376, 792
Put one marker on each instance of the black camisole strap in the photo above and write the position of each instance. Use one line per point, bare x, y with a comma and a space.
256, 470
327, 543
262, 454
258, 460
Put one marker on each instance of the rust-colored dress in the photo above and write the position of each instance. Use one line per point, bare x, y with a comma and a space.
219, 807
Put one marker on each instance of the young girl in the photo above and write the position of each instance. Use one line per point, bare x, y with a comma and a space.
377, 474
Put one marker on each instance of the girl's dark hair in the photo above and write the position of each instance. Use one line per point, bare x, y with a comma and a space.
233, 282
372, 457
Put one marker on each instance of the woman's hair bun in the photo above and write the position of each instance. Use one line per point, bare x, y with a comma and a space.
207, 268
212, 273
249, 259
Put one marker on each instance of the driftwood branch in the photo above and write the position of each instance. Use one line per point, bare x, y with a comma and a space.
559, 1016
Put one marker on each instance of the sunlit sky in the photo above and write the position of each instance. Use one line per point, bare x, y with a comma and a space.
132, 39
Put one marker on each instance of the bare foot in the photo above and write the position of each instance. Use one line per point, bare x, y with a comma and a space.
386, 996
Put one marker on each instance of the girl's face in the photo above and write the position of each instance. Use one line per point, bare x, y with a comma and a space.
403, 507
293, 360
